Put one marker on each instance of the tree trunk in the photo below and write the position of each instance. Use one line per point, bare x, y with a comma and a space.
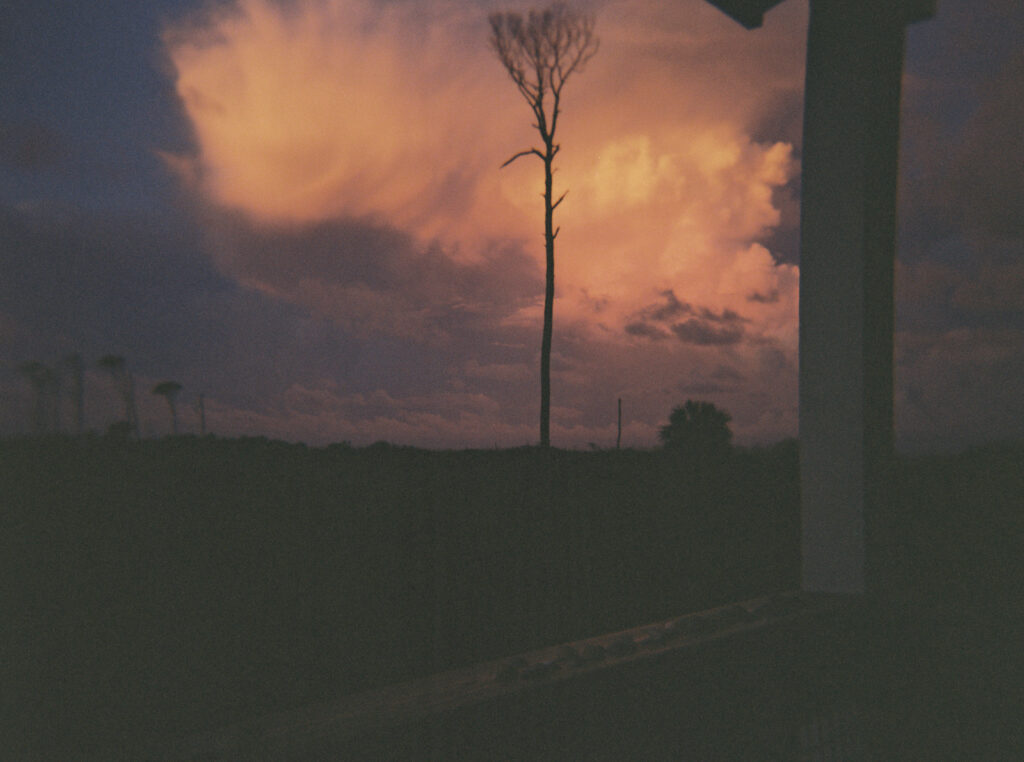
549, 301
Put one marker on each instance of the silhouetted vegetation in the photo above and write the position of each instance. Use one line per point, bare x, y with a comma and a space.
164, 586
46, 397
200, 406
699, 431
75, 368
540, 53
124, 383
48, 385
169, 391
168, 584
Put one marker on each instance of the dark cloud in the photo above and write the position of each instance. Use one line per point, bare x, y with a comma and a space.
979, 286
774, 360
985, 183
704, 327
725, 316
596, 303
720, 380
29, 146
727, 373
959, 282
768, 298
142, 288
962, 139
707, 333
95, 277
672, 308
958, 387
997, 289
375, 280
646, 330
704, 388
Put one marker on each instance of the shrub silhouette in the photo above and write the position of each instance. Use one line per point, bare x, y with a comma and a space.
698, 429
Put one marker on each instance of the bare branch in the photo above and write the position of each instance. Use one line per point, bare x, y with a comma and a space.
527, 152
555, 111
555, 205
543, 50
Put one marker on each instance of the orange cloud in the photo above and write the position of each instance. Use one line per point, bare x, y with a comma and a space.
321, 108
398, 114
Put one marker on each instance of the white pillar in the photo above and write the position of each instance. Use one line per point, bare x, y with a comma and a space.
847, 250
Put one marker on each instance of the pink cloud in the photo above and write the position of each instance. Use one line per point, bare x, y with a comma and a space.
320, 118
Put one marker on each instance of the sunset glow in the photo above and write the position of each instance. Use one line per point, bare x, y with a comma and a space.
397, 114
296, 208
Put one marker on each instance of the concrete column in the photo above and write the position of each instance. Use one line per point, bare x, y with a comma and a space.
847, 250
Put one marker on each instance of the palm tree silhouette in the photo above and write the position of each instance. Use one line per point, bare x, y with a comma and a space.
169, 391
125, 385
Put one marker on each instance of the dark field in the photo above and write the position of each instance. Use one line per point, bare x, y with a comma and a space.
157, 588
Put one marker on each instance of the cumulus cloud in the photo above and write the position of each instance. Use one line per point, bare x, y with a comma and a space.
319, 108
383, 276
349, 154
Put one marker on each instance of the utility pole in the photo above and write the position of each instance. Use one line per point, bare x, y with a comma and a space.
618, 437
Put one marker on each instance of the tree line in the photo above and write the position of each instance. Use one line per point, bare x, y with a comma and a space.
52, 384
697, 429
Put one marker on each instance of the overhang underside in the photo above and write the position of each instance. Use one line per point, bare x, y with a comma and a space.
750, 13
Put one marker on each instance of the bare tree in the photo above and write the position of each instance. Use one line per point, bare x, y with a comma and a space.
125, 383
169, 391
540, 53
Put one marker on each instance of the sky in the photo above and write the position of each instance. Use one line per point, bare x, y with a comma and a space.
295, 208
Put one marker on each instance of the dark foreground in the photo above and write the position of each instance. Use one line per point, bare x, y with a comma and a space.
160, 589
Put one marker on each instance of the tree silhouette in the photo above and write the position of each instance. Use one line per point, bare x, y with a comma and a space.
43, 380
698, 429
169, 391
74, 365
540, 53
201, 412
125, 385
